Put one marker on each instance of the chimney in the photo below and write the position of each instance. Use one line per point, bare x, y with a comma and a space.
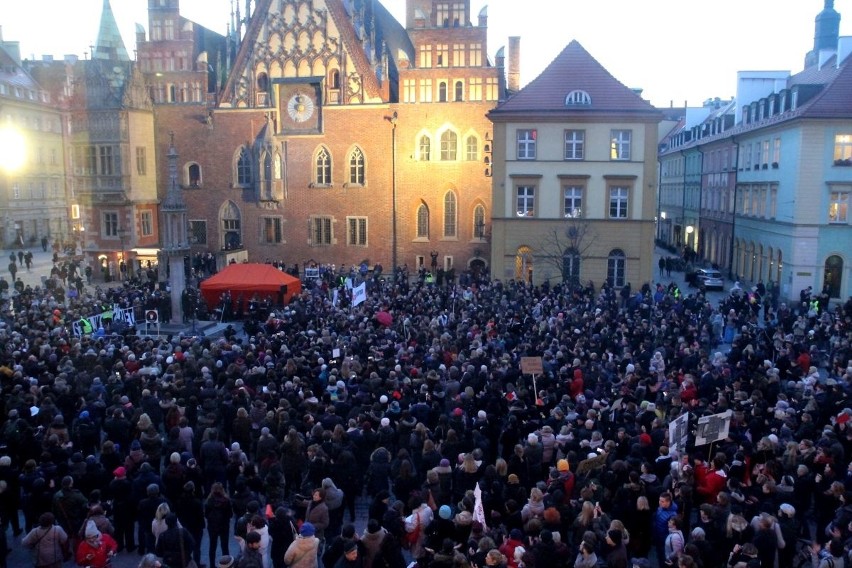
513, 83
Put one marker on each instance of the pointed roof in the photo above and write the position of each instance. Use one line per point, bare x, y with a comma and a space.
834, 100
575, 70
109, 44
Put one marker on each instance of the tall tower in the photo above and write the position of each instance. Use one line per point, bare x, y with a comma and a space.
174, 230
109, 45
826, 33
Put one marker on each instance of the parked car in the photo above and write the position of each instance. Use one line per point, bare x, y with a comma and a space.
708, 279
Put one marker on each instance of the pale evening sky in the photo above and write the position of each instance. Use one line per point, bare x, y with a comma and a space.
676, 50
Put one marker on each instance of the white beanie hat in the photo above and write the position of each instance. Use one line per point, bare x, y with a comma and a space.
92, 530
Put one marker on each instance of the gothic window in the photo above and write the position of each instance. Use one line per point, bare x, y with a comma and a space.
449, 146
425, 148
244, 167
423, 221
323, 167
356, 167
450, 214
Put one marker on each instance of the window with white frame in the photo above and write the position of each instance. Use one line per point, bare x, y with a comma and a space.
573, 201
458, 93
356, 231
578, 98
620, 144
842, 147
449, 146
526, 144
443, 55
409, 91
425, 56
450, 215
575, 144
525, 200
471, 148
475, 55
776, 152
491, 89
616, 267
442, 91
458, 55
838, 208
475, 89
271, 232
765, 155
425, 145
321, 231
109, 223
425, 90
618, 200
146, 223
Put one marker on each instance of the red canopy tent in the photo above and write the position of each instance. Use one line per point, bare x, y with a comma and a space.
249, 279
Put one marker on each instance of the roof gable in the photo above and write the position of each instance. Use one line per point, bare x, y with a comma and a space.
574, 69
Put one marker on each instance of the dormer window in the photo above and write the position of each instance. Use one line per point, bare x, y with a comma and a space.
578, 98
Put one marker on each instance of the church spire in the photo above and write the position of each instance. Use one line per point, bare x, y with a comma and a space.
826, 33
109, 44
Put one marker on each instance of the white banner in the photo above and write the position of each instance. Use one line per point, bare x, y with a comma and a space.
359, 294
478, 509
92, 323
679, 432
712, 428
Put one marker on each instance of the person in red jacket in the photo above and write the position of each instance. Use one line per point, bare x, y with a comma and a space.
577, 384
98, 548
710, 481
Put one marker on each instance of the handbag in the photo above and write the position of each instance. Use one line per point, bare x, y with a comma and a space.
409, 539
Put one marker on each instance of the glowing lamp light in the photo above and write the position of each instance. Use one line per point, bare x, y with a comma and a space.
12, 149
689, 229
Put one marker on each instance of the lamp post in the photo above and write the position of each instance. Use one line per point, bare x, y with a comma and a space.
122, 261
393, 120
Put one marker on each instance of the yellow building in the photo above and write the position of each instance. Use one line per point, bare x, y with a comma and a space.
574, 178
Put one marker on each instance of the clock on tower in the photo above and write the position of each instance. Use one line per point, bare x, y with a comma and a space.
299, 105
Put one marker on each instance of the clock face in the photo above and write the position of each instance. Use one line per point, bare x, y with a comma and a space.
300, 107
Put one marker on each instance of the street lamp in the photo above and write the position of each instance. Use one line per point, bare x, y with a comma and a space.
122, 261
393, 119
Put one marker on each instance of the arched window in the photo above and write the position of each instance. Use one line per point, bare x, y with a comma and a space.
266, 176
833, 275
323, 167
276, 165
449, 214
479, 222
425, 148
193, 174
334, 79
449, 146
356, 167
571, 266
262, 82
423, 221
524, 264
229, 219
442, 92
616, 265
244, 167
578, 98
459, 94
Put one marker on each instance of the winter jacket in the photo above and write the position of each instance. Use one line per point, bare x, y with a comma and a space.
661, 521
46, 544
302, 553
317, 514
96, 556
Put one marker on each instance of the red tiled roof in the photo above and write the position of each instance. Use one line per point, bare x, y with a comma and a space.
575, 69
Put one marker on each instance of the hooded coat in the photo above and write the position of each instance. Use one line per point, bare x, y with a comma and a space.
302, 553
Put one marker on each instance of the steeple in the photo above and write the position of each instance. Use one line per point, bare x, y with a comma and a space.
826, 33
109, 44
174, 197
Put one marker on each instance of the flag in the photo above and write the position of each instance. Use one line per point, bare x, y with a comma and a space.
478, 509
359, 293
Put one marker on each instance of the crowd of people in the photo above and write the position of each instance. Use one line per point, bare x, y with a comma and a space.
125, 444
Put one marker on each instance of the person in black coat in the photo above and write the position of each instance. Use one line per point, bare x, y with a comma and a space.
282, 531
190, 513
145, 513
175, 545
